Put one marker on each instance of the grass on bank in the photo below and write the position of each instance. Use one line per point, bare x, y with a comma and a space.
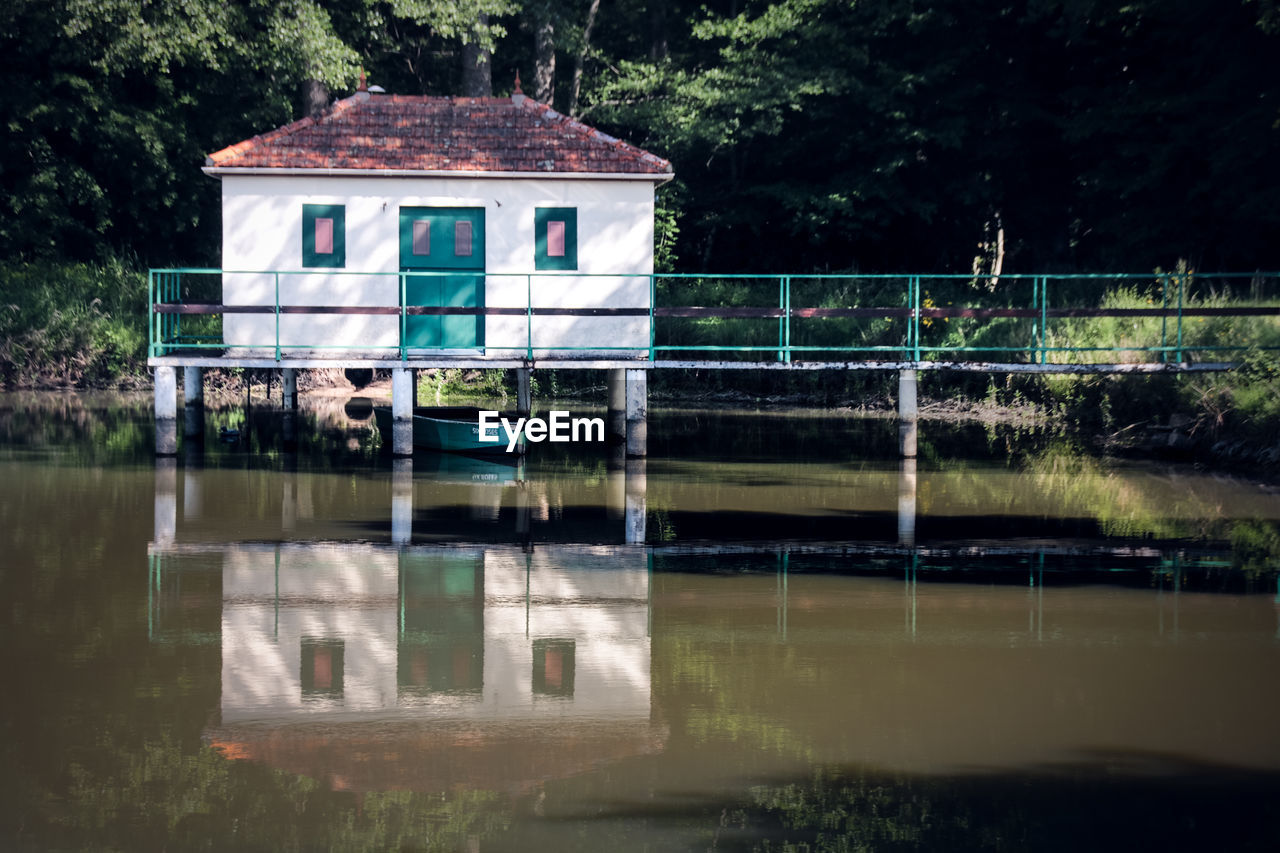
72, 325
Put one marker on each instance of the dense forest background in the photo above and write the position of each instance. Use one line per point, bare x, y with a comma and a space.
834, 135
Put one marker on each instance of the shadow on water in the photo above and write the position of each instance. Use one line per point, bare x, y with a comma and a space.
1121, 801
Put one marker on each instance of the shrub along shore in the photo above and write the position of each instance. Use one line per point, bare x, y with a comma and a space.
83, 326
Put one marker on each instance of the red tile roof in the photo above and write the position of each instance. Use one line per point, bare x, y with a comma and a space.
419, 133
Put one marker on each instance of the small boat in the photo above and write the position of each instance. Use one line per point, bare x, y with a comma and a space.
452, 428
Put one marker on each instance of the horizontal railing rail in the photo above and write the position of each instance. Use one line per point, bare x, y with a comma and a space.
819, 317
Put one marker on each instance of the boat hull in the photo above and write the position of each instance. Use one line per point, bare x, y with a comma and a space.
452, 429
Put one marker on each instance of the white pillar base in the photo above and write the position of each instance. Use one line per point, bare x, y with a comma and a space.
908, 413
166, 401
524, 390
637, 387
402, 401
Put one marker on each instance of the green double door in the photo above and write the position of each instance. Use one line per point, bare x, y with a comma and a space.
448, 242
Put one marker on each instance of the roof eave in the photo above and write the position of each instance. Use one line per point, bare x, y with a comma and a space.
228, 171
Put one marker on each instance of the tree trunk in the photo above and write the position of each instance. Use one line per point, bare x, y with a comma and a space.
477, 77
657, 30
582, 56
544, 68
315, 98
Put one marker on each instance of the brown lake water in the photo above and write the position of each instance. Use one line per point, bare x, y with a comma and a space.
770, 635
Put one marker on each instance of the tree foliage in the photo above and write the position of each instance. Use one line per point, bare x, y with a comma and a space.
806, 134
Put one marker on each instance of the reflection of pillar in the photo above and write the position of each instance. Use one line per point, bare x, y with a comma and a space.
615, 484
401, 501
166, 396
192, 505
522, 509
402, 411
289, 503
524, 390
289, 388
907, 502
166, 517
784, 558
913, 566
636, 493
637, 412
616, 420
907, 413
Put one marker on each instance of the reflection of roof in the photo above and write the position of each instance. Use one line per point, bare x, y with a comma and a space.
427, 756
421, 133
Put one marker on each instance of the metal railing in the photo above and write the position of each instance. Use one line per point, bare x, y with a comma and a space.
1170, 318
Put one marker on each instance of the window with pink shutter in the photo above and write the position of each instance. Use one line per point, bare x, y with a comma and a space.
555, 238
324, 235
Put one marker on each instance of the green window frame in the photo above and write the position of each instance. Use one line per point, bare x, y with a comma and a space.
542, 257
336, 214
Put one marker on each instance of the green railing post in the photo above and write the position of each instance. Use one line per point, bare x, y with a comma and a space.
782, 319
528, 286
404, 326
168, 318
915, 314
162, 284
277, 278
1035, 326
151, 312
165, 286
1182, 279
177, 300
787, 312
911, 283
1044, 315
1164, 319
653, 302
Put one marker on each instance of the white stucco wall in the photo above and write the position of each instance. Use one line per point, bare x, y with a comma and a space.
262, 230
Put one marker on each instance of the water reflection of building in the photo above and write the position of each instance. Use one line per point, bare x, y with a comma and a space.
492, 633
375, 667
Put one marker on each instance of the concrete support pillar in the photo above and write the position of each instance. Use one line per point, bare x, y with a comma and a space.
616, 420
193, 386
637, 382
193, 422
907, 503
289, 430
524, 390
908, 413
402, 400
166, 509
636, 501
401, 501
193, 402
166, 398
289, 388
